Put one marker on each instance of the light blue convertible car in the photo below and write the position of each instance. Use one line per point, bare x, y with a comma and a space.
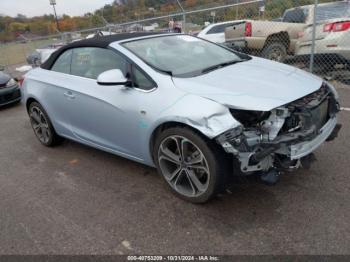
197, 111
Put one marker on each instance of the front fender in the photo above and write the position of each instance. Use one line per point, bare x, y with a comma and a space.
204, 115
207, 116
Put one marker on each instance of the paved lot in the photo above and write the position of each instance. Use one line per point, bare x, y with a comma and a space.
78, 200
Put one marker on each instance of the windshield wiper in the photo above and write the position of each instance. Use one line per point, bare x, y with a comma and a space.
214, 67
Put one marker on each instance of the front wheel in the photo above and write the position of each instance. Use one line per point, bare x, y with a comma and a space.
191, 165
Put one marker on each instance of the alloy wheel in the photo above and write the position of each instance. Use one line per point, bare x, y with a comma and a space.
40, 125
184, 166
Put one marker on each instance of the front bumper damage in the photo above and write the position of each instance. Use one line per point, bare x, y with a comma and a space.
281, 139
300, 150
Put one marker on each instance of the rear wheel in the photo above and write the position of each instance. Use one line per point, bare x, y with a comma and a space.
275, 51
42, 126
191, 165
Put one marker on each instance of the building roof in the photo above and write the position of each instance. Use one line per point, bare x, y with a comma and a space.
101, 42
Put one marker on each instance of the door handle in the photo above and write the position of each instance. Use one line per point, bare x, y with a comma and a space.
69, 95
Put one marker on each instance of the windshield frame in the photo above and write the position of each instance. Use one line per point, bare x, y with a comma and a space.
243, 57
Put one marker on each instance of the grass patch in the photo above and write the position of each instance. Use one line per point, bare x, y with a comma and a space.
16, 53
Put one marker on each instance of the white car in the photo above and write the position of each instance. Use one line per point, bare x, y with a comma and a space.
216, 32
41, 54
332, 45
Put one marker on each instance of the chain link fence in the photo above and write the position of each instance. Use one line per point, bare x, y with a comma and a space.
310, 34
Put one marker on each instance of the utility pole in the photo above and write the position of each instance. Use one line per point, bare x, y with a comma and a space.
312, 57
53, 3
183, 16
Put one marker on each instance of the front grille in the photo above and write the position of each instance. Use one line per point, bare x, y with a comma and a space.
310, 100
10, 97
292, 123
311, 110
319, 115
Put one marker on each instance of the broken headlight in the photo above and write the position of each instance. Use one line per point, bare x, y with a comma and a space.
249, 118
229, 138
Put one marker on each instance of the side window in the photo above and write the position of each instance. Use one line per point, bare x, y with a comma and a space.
63, 63
295, 16
140, 80
219, 28
90, 62
216, 29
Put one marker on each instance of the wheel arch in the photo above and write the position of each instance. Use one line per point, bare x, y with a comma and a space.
29, 101
281, 37
170, 124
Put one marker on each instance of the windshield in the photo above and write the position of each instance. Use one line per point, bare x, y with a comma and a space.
181, 55
334, 10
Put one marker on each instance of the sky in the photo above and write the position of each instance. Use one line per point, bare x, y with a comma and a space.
40, 7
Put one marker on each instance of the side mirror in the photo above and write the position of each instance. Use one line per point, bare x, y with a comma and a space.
2, 68
112, 77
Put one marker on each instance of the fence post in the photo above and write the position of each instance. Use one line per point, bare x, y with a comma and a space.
312, 56
183, 16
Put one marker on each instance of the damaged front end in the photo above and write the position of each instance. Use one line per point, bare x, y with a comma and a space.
282, 138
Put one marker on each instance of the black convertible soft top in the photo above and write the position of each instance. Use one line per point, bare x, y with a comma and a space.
100, 41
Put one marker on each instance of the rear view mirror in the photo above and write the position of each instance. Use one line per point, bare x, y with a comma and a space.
112, 77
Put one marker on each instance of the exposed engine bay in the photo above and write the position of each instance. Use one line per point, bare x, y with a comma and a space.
281, 138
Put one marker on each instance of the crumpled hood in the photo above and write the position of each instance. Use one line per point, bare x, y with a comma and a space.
257, 84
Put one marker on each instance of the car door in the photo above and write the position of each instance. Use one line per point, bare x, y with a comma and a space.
57, 81
104, 116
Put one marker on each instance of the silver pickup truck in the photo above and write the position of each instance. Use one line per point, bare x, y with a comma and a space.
270, 39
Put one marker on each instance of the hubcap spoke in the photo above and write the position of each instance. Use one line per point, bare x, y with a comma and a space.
175, 174
178, 147
191, 182
35, 116
184, 149
170, 156
194, 179
179, 176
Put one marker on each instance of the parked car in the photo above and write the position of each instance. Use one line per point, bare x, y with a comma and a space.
9, 89
199, 112
273, 40
332, 45
100, 33
41, 54
216, 32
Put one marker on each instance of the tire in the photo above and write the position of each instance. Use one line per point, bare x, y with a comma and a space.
36, 62
42, 126
275, 51
194, 182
